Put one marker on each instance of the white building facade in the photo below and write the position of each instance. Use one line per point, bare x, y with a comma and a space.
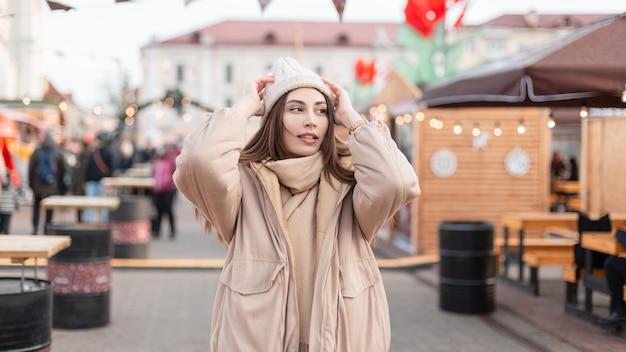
212, 65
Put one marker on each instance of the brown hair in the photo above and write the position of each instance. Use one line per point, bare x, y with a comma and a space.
267, 144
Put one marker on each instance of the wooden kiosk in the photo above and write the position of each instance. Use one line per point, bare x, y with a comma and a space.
478, 177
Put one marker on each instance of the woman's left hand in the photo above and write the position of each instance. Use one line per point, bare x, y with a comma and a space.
345, 115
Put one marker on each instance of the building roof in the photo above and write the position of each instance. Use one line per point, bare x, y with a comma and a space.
288, 33
549, 21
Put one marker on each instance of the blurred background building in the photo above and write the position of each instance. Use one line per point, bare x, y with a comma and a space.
207, 68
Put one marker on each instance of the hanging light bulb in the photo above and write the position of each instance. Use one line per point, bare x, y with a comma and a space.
497, 131
551, 122
476, 130
433, 122
520, 128
457, 129
584, 112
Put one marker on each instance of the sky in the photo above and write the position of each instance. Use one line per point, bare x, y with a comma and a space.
87, 50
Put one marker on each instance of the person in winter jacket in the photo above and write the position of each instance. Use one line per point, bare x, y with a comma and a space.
99, 165
43, 188
164, 190
298, 210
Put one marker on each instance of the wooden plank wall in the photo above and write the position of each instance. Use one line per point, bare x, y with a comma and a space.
603, 169
481, 189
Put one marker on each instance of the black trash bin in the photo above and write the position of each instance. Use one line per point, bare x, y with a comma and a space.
25, 315
131, 227
81, 275
467, 267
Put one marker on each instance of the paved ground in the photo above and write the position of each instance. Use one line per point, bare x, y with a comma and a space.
154, 310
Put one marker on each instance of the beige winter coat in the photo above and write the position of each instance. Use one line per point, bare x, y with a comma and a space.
255, 307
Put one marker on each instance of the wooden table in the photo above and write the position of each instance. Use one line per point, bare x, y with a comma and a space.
565, 191
521, 221
118, 183
21, 247
80, 202
566, 187
604, 242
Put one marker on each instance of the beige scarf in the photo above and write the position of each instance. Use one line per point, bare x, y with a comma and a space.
299, 175
304, 211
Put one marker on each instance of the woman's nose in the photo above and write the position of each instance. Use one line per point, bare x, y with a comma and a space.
309, 121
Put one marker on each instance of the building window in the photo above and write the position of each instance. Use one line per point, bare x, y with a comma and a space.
228, 103
342, 39
471, 47
180, 73
319, 70
229, 73
495, 47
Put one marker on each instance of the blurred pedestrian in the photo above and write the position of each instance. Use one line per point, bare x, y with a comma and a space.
9, 201
46, 174
22, 151
164, 190
557, 166
615, 272
298, 215
573, 169
99, 166
79, 170
147, 153
126, 156
5, 181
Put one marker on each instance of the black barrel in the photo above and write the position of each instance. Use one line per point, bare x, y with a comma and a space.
131, 228
81, 275
25, 315
467, 267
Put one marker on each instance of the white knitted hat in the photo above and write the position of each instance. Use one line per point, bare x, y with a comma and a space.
289, 76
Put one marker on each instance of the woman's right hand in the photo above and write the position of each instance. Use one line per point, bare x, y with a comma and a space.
252, 102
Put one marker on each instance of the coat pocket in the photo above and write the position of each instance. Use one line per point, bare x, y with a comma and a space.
251, 276
252, 296
356, 277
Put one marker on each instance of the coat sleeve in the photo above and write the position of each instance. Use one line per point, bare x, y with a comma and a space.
207, 169
385, 180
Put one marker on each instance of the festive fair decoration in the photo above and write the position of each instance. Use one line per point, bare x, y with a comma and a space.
423, 15
480, 141
365, 71
443, 163
340, 6
53, 5
431, 57
517, 162
264, 3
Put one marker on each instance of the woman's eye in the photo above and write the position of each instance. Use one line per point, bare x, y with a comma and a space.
321, 111
295, 108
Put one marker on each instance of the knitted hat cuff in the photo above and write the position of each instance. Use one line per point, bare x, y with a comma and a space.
289, 76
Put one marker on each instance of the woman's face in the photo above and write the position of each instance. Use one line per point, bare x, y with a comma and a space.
305, 122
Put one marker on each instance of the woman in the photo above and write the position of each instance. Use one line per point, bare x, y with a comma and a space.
164, 191
297, 209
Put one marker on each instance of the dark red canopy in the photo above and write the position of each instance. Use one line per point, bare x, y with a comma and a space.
587, 66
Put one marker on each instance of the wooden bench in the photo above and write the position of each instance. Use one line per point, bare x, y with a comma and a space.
539, 252
537, 258
530, 244
571, 291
